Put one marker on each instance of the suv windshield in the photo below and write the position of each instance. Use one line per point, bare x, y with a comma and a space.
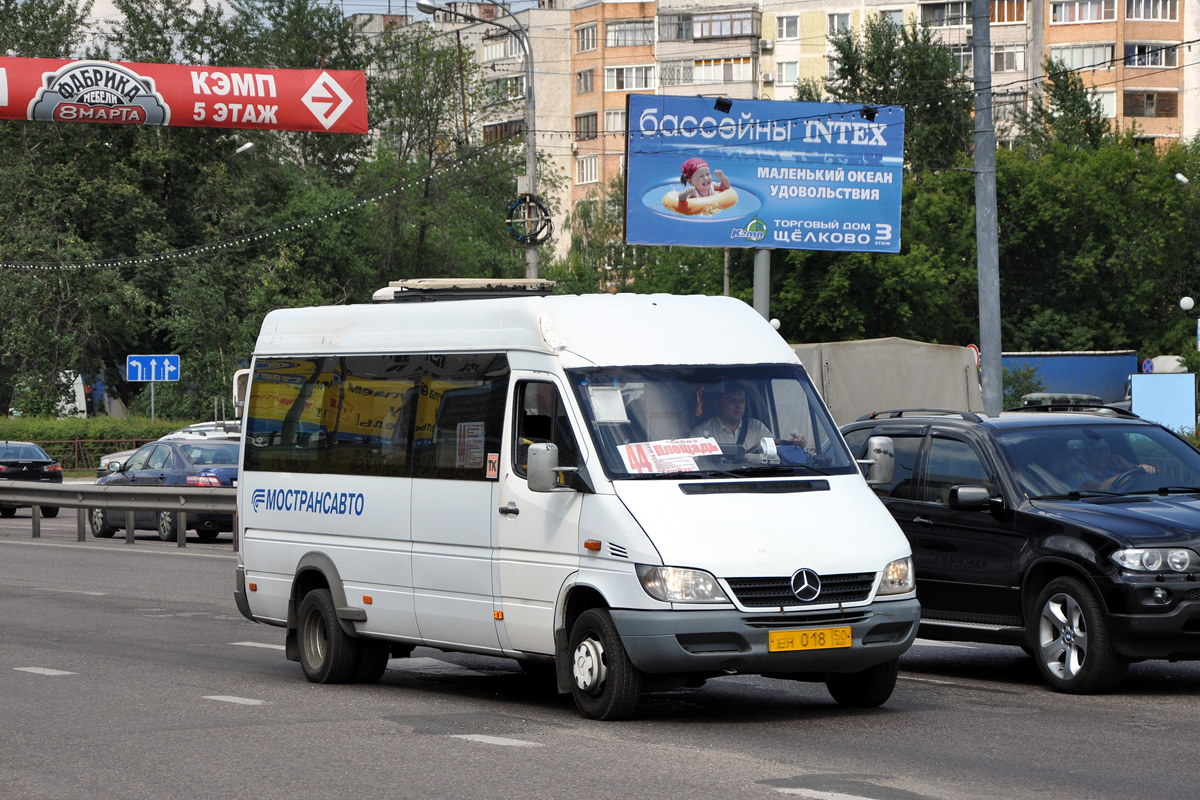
751, 420
1050, 461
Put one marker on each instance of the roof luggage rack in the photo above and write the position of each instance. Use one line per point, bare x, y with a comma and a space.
1095, 408
895, 413
426, 289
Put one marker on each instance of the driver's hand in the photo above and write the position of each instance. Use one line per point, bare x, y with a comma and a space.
1147, 468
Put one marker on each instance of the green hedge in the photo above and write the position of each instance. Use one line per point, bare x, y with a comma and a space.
79, 443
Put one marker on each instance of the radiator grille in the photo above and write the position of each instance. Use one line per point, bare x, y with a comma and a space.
774, 592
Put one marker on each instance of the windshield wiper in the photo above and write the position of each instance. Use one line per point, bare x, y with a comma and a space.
1166, 490
1076, 495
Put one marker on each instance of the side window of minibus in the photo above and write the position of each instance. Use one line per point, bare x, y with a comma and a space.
542, 417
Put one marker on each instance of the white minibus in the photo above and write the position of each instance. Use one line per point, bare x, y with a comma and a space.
638, 492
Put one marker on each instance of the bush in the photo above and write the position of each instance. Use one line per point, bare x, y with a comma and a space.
78, 443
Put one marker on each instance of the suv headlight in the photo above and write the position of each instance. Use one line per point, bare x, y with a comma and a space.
898, 577
679, 585
1157, 559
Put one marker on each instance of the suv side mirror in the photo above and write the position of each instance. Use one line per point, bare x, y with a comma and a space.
880, 461
970, 498
542, 470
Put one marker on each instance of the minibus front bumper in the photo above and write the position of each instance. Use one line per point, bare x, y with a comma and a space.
730, 641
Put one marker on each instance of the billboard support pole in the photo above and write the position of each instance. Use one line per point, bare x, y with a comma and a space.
762, 282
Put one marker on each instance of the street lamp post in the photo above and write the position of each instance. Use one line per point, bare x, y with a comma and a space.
1187, 304
429, 7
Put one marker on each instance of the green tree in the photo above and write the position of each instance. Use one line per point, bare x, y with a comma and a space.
1068, 114
1020, 381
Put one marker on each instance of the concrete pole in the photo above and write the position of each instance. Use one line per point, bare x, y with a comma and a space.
986, 226
762, 282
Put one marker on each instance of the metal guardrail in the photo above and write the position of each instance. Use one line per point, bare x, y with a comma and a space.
180, 500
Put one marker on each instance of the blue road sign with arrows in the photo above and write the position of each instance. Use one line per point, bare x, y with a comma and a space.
152, 368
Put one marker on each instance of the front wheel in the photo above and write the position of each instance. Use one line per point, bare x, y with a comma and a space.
166, 526
327, 654
1070, 640
867, 689
604, 682
49, 512
8, 511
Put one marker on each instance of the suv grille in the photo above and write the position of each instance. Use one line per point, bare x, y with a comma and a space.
775, 592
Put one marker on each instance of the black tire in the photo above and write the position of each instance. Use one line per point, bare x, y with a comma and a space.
604, 682
1071, 645
49, 512
867, 689
327, 654
372, 661
8, 511
207, 535
100, 528
165, 521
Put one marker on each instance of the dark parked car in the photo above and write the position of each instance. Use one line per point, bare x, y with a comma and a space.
194, 461
1073, 535
25, 461
220, 430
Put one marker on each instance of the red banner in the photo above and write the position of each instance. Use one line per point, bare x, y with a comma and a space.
114, 92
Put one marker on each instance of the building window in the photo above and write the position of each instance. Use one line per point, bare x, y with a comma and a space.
675, 73
1140, 103
831, 67
1094, 55
785, 72
963, 54
1007, 11
722, 70
585, 126
1083, 11
585, 81
946, 15
726, 24
894, 16
1167, 10
503, 130
675, 27
629, 34
1150, 55
587, 169
617, 79
787, 27
614, 121
839, 23
1108, 103
585, 38
1006, 106
504, 89
502, 47
1008, 58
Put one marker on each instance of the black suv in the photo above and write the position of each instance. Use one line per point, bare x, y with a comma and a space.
1073, 535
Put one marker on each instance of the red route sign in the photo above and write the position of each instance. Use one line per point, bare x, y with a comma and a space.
124, 93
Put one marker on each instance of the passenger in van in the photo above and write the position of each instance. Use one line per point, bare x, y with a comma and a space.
730, 425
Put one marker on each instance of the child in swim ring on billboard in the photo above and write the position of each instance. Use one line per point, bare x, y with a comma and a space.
697, 179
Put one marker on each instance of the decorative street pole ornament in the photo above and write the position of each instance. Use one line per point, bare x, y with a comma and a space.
529, 220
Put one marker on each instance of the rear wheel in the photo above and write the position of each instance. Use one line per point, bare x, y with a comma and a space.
49, 512
604, 682
8, 511
1070, 640
207, 535
100, 528
867, 689
372, 661
327, 654
166, 526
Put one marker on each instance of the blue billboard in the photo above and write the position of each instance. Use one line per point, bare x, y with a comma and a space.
764, 173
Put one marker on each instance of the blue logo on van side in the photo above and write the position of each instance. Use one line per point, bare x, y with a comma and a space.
339, 503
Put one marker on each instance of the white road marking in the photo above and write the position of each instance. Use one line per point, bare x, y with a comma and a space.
258, 644
815, 794
932, 643
241, 701
498, 740
69, 591
43, 671
927, 680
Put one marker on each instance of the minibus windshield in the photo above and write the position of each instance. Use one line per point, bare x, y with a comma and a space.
756, 421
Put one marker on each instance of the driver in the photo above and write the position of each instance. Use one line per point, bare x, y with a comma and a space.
1096, 467
730, 425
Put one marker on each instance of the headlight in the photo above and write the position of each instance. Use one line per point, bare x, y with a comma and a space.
1157, 559
679, 585
898, 577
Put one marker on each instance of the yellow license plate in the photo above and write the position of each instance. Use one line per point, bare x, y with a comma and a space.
815, 639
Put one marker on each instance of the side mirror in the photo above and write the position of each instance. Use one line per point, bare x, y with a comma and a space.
114, 466
970, 498
543, 469
880, 461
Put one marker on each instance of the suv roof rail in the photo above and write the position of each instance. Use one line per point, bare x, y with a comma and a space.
419, 289
922, 412
1096, 408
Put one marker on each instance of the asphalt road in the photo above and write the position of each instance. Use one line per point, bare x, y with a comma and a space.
127, 672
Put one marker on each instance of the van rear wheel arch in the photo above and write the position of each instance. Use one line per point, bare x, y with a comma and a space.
317, 571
